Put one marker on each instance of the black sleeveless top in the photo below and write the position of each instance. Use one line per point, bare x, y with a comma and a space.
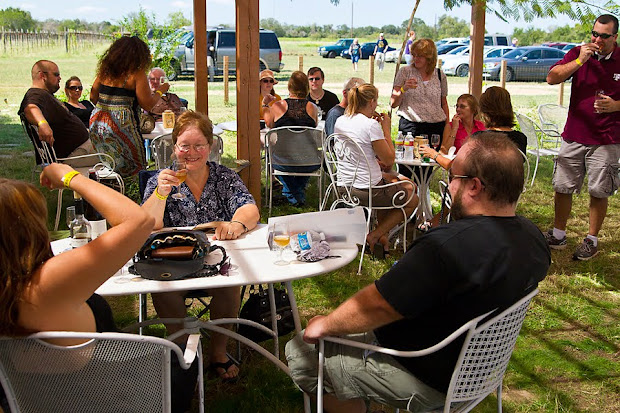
104, 320
296, 115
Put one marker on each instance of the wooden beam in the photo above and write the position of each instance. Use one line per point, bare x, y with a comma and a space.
478, 10
201, 87
248, 118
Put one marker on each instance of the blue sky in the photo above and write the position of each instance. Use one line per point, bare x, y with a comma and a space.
365, 12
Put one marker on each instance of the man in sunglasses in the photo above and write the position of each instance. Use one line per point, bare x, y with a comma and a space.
56, 125
591, 138
324, 99
485, 260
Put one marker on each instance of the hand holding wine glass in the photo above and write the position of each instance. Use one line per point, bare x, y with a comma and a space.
180, 169
281, 237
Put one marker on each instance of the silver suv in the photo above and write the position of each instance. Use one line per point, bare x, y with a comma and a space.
220, 43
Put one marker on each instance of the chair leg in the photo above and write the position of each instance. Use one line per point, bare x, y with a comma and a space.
535, 169
499, 398
58, 210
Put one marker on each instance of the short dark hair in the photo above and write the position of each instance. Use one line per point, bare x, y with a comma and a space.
496, 108
608, 18
498, 163
315, 69
71, 79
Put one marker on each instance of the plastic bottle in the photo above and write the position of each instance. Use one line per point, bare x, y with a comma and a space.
303, 240
98, 224
400, 146
80, 227
409, 147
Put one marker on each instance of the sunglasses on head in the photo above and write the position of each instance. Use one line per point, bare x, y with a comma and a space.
76, 88
604, 36
267, 80
314, 79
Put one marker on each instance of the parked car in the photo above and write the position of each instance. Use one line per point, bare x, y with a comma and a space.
570, 46
223, 42
452, 40
443, 49
497, 40
458, 65
392, 56
524, 63
333, 50
555, 45
366, 51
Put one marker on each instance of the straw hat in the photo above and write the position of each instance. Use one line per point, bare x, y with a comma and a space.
268, 74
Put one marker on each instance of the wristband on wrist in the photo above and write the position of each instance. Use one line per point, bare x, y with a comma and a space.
160, 196
245, 229
66, 180
402, 89
159, 92
579, 62
41, 122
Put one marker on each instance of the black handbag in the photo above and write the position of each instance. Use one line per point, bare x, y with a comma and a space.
256, 308
176, 254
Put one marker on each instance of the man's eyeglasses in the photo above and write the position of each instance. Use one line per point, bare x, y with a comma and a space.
603, 36
76, 88
314, 79
452, 177
57, 74
267, 80
201, 147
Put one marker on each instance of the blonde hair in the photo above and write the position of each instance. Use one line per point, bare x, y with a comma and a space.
359, 97
426, 48
190, 119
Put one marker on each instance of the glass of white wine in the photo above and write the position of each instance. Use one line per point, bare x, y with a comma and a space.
180, 167
281, 237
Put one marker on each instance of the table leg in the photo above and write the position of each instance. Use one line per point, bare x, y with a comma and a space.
274, 321
293, 301
142, 313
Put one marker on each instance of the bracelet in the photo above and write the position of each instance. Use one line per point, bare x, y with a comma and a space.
579, 62
402, 89
159, 92
160, 196
41, 122
265, 106
245, 229
66, 180
436, 156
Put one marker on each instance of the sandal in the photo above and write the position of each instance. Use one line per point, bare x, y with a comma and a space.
214, 366
425, 226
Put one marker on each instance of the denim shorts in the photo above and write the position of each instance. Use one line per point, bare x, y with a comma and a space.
599, 161
353, 373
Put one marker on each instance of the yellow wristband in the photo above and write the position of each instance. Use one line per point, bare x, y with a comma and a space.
66, 180
41, 122
159, 92
579, 62
402, 89
160, 196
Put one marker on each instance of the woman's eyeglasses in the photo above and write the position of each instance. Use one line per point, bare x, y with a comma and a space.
267, 80
76, 88
201, 147
604, 36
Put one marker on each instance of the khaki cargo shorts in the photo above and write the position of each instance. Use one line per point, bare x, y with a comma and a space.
599, 161
353, 373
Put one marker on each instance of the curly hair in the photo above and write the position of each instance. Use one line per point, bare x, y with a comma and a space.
190, 119
125, 56
496, 108
24, 247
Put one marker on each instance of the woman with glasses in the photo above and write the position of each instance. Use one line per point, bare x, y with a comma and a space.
80, 108
267, 80
120, 89
213, 193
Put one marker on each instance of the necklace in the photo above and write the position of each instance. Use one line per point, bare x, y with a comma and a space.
317, 99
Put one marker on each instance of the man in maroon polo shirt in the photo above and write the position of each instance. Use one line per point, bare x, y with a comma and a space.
591, 138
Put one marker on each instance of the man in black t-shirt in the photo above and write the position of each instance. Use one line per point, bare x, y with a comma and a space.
56, 125
486, 259
324, 99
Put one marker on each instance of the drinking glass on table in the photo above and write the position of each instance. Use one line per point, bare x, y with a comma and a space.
181, 173
281, 237
435, 139
70, 216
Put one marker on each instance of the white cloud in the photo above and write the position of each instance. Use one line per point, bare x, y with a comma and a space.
90, 9
181, 4
27, 6
225, 2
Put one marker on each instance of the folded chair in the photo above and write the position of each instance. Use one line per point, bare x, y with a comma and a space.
340, 149
552, 121
109, 372
529, 129
481, 365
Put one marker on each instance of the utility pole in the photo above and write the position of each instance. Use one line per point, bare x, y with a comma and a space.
351, 19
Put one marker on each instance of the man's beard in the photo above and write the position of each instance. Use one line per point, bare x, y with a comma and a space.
51, 87
456, 210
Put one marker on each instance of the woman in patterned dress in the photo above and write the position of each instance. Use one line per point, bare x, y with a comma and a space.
213, 193
120, 88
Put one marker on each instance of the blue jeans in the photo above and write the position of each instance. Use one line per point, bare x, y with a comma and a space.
294, 187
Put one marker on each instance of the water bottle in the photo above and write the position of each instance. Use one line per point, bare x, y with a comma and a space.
409, 147
400, 146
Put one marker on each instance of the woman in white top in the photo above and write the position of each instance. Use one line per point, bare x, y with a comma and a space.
372, 132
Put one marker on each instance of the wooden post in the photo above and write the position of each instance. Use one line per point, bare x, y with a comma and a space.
561, 95
226, 58
201, 87
478, 10
439, 63
248, 119
300, 62
502, 74
371, 70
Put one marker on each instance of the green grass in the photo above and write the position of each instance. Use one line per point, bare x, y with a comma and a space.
567, 357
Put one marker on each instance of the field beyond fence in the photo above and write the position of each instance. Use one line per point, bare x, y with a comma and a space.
20, 42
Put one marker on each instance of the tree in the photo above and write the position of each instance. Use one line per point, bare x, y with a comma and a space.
17, 19
178, 20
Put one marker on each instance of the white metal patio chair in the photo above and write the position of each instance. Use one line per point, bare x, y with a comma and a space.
552, 122
341, 149
45, 154
481, 365
162, 149
297, 146
109, 372
529, 129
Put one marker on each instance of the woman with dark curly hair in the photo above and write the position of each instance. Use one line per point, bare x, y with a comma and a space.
121, 87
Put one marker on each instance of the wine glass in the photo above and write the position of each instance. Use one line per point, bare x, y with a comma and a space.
281, 237
435, 139
598, 95
70, 216
163, 79
180, 167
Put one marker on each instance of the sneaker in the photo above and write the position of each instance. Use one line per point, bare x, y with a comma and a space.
554, 243
585, 250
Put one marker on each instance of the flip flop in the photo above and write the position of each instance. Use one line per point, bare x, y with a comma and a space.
214, 366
